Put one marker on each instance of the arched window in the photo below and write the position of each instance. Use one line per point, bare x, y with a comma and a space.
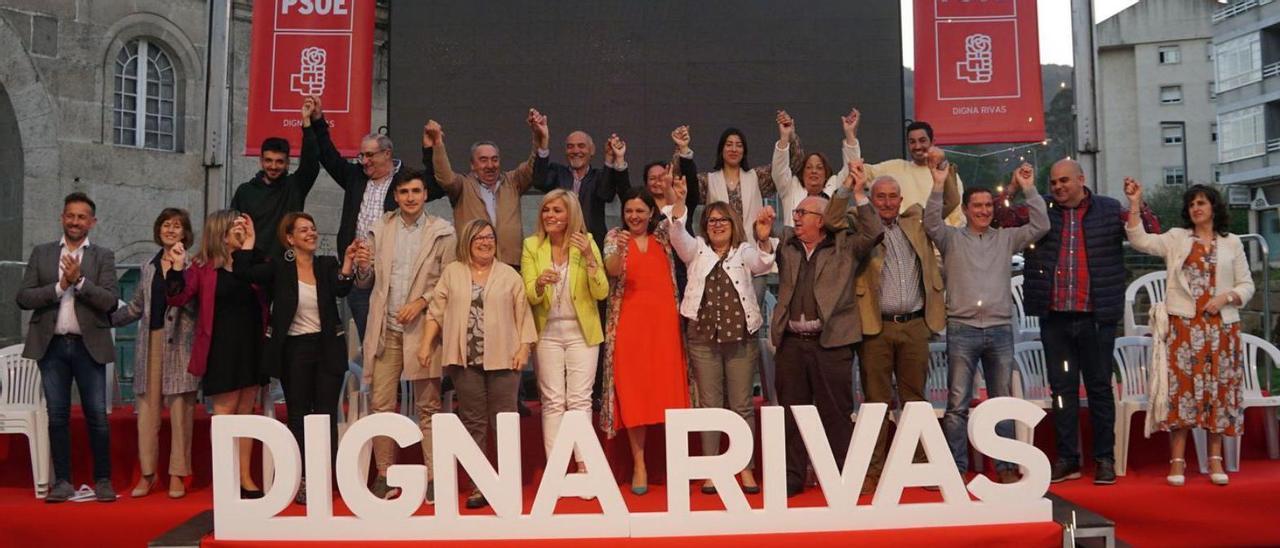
144, 110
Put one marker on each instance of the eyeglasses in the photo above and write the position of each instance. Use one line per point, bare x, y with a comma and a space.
800, 212
718, 221
369, 155
483, 237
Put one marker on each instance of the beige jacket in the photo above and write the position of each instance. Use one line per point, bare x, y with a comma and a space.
868, 278
464, 196
437, 251
508, 321
1175, 245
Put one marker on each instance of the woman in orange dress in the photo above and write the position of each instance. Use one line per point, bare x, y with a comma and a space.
644, 368
1208, 283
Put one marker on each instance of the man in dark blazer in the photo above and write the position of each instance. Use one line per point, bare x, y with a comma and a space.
594, 187
816, 322
367, 193
70, 287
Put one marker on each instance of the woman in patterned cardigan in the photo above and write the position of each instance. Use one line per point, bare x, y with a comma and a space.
163, 349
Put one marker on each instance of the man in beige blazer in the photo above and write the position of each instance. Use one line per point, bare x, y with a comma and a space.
487, 192
900, 301
406, 253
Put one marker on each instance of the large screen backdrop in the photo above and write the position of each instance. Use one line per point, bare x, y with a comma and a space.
640, 68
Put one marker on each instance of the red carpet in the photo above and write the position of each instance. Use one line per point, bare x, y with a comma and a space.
1147, 512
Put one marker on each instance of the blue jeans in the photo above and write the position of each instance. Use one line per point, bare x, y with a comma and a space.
1085, 344
967, 345
358, 302
65, 360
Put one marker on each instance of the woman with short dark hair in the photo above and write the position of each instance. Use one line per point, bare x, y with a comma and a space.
644, 363
306, 341
162, 349
1208, 283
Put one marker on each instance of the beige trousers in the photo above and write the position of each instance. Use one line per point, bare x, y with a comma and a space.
150, 405
383, 399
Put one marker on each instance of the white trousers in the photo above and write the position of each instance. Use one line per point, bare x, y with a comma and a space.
566, 369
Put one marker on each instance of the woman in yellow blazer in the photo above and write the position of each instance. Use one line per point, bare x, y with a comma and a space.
1208, 283
564, 281
480, 306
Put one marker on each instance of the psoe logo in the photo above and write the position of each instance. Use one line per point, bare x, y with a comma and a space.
309, 80
977, 66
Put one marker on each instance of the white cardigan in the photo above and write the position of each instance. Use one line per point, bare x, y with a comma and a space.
791, 190
740, 264
1175, 245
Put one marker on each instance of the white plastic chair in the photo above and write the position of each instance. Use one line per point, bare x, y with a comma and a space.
1153, 284
1027, 327
1031, 382
23, 411
1133, 359
1251, 346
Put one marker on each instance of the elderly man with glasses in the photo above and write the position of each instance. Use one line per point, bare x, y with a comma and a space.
816, 323
366, 195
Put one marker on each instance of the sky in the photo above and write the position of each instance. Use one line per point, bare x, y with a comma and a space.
1054, 22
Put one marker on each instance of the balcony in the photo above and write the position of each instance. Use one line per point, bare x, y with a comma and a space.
1271, 70
1233, 9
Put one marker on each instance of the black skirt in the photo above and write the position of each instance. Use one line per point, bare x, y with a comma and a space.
236, 346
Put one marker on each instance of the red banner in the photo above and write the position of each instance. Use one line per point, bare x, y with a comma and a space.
977, 72
310, 47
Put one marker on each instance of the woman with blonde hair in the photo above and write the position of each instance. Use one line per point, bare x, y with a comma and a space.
163, 350
1209, 282
563, 281
229, 325
480, 309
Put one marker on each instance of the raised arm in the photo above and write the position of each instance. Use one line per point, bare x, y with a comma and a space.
684, 243
309, 160
330, 159
933, 225
1146, 242
615, 161
449, 181
535, 167
839, 212
783, 178
1038, 222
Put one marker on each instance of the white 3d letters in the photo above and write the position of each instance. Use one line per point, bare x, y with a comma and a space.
397, 519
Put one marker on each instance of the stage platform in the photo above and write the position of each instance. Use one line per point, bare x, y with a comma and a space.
1145, 510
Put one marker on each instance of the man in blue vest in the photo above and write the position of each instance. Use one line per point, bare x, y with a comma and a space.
1075, 281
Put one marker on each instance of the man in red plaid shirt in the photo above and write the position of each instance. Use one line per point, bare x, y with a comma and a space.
1074, 280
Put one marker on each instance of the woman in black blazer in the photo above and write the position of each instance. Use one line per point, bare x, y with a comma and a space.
306, 346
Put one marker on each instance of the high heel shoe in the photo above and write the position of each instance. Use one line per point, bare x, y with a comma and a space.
146, 484
177, 487
1218, 478
1177, 480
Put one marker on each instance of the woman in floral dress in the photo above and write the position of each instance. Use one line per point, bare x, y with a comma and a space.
1208, 282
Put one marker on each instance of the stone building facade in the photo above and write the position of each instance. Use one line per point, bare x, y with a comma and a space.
66, 123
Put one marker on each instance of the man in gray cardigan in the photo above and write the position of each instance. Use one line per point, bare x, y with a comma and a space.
70, 286
816, 322
976, 265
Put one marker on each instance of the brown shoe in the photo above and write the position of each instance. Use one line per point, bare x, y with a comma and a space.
1007, 475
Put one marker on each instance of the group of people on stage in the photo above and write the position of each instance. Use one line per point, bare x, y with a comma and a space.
875, 260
